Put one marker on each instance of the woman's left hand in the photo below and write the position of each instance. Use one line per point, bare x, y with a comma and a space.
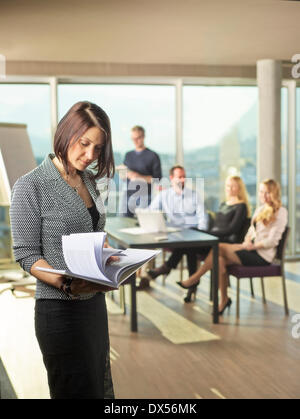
248, 245
80, 286
112, 258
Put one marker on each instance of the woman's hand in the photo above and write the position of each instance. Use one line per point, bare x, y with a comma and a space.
112, 258
80, 286
248, 245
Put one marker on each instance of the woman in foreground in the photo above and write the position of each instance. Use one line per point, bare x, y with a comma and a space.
58, 198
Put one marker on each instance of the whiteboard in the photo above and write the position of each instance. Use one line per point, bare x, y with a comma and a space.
16, 157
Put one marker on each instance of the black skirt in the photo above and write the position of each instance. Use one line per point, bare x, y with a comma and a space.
251, 258
73, 338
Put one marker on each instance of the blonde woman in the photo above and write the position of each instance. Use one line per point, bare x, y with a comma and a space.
259, 247
231, 217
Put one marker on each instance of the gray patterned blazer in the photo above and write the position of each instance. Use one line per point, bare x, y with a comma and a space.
43, 208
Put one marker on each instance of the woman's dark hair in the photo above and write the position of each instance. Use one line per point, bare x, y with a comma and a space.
81, 117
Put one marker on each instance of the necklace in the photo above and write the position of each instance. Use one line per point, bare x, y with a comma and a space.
61, 170
75, 187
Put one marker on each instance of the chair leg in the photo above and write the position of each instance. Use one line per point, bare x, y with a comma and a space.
211, 287
164, 280
181, 268
286, 308
251, 288
263, 290
164, 259
122, 299
238, 298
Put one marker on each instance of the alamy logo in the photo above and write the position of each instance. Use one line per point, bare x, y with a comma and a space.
2, 67
296, 68
296, 328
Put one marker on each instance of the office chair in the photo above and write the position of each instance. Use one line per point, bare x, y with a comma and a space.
275, 269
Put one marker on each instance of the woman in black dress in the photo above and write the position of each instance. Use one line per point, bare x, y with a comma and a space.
230, 221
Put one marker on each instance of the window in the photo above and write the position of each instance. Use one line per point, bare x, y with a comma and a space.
26, 104
151, 106
29, 104
297, 230
284, 145
220, 131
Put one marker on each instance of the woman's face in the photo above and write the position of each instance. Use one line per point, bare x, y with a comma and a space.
264, 195
86, 150
232, 188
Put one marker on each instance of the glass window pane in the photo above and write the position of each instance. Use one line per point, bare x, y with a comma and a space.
298, 170
152, 107
29, 104
284, 150
284, 143
25, 104
220, 131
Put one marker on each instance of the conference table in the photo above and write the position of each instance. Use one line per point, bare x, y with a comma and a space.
186, 238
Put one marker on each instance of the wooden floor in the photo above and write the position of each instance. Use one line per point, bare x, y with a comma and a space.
177, 353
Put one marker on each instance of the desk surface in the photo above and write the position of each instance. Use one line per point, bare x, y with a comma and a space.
181, 239
186, 237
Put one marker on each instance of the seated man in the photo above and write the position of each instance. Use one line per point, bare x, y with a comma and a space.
183, 208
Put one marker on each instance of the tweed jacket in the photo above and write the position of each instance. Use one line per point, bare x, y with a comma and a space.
43, 208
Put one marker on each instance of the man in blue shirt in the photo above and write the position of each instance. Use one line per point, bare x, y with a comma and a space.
184, 208
143, 165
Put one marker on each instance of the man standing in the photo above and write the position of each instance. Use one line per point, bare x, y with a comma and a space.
143, 165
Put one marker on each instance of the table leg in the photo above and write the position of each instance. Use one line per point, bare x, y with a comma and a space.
133, 313
215, 281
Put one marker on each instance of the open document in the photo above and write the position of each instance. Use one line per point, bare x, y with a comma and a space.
86, 258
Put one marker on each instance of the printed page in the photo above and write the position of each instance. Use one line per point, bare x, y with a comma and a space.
107, 253
102, 254
132, 258
80, 255
99, 238
67, 273
130, 261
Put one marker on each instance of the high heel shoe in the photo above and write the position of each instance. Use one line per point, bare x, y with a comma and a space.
162, 270
228, 304
191, 294
190, 287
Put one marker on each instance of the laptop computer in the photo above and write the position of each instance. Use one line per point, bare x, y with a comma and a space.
153, 221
